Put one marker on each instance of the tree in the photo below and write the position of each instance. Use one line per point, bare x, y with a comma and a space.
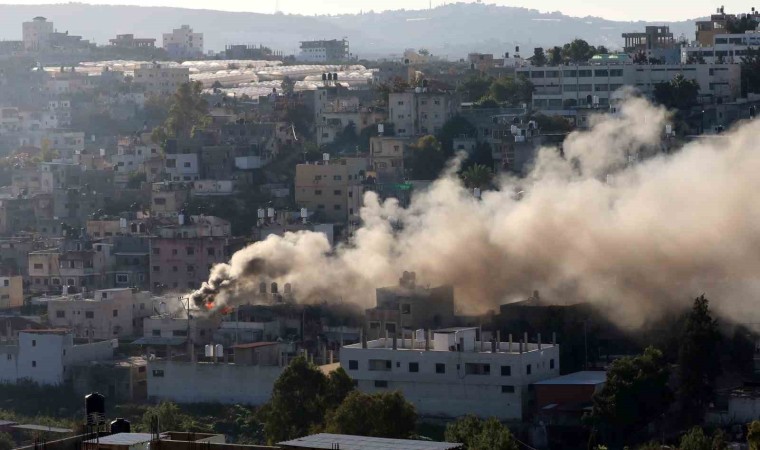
512, 90
476, 434
288, 86
187, 110
753, 435
695, 439
486, 102
680, 93
636, 392
552, 124
477, 176
750, 71
426, 159
698, 360
578, 51
539, 58
170, 417
339, 386
455, 127
385, 414
6, 442
475, 87
555, 56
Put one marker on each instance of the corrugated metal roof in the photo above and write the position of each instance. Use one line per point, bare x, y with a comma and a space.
348, 442
584, 377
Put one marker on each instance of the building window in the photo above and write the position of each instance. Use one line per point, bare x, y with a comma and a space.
122, 278
440, 368
116, 313
89, 315
34, 342
60, 314
406, 308
506, 371
190, 268
507, 389
374, 325
156, 268
179, 333
156, 332
190, 251
337, 192
477, 369
156, 251
414, 367
381, 384
38, 266
353, 364
337, 207
318, 192
528, 369
158, 373
551, 363
380, 365
210, 251
34, 363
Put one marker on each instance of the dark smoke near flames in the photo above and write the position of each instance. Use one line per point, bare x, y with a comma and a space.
640, 237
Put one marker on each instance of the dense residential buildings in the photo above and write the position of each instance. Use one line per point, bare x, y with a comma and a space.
421, 111
452, 372
182, 42
331, 188
724, 49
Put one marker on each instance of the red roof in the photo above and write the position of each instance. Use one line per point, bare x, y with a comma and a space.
255, 345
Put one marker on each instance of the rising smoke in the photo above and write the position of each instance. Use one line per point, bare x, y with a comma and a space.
639, 237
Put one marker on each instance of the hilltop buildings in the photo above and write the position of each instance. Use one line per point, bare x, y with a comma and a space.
182, 42
324, 51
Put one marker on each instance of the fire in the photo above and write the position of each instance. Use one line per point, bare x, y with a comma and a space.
209, 306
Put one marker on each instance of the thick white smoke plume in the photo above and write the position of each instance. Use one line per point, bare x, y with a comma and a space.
593, 225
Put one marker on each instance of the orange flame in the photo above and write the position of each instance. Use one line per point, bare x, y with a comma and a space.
209, 306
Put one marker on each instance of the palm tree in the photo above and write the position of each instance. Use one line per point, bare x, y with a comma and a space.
477, 176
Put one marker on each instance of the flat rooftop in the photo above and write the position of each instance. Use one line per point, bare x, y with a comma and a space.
587, 377
126, 439
328, 441
42, 428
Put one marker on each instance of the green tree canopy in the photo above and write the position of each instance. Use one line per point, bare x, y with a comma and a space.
680, 93
425, 159
477, 176
555, 56
698, 360
6, 442
478, 434
187, 110
475, 87
753, 435
539, 57
578, 51
386, 415
695, 439
636, 392
512, 90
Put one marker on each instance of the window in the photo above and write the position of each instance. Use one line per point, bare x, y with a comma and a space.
537, 74
551, 363
337, 178
406, 308
477, 369
89, 315
156, 251
374, 325
38, 266
380, 365
156, 268
6, 283
116, 313
190, 268
34, 363
381, 383
34, 342
584, 73
440, 368
187, 164
506, 389
506, 371
616, 72
174, 251
190, 251
318, 192
353, 364
414, 367
601, 73
337, 192
337, 207
570, 73
156, 333
179, 333
60, 314
528, 369
158, 373
122, 278
210, 251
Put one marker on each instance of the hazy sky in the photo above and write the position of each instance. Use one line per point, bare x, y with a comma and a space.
610, 9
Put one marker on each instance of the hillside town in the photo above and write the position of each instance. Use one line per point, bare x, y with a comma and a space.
157, 201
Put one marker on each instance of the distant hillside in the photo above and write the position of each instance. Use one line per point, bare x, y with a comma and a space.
452, 30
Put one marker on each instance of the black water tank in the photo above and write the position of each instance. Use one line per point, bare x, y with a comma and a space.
94, 403
121, 426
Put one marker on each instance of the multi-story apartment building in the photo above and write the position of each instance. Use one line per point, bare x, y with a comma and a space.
331, 188
108, 314
47, 356
454, 373
724, 49
595, 83
181, 256
160, 79
324, 51
183, 43
130, 41
718, 23
11, 292
36, 34
420, 111
168, 198
387, 157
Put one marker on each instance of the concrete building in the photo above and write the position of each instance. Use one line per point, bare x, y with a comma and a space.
197, 330
248, 380
420, 111
324, 51
160, 79
454, 372
719, 24
387, 156
409, 306
182, 167
46, 356
655, 42
595, 84
130, 41
11, 292
724, 49
183, 43
36, 34
168, 198
331, 188
108, 314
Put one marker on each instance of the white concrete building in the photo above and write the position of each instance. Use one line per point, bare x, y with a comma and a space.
561, 87
726, 49
182, 166
420, 112
453, 373
111, 313
44, 356
160, 79
182, 42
